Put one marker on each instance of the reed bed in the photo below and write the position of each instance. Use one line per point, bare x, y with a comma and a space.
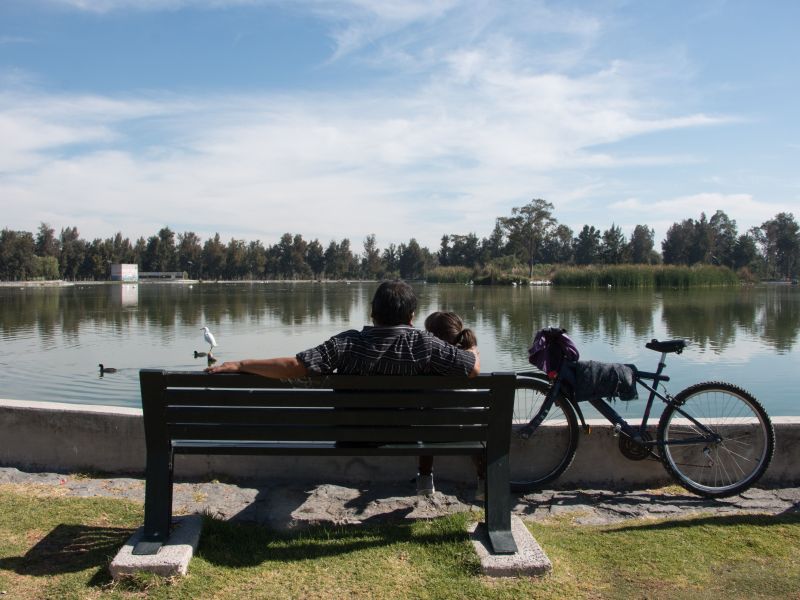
645, 276
449, 275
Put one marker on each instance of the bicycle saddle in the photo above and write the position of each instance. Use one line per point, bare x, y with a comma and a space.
666, 346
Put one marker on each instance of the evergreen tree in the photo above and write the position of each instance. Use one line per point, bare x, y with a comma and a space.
640, 247
315, 257
372, 265
587, 246
213, 260
46, 241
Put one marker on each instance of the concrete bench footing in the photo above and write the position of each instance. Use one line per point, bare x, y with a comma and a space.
529, 559
170, 561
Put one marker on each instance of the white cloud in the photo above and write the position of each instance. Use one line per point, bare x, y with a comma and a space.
446, 158
487, 122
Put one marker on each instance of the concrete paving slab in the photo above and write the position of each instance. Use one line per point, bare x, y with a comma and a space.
529, 559
171, 560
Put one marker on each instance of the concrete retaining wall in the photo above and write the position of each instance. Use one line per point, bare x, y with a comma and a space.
51, 436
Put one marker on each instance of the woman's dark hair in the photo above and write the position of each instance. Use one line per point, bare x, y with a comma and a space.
449, 327
394, 303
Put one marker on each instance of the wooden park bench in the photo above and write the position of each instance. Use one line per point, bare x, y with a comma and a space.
235, 414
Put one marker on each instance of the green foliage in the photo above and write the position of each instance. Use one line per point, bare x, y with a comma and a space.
644, 276
450, 275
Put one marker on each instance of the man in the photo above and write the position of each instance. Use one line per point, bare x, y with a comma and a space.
391, 346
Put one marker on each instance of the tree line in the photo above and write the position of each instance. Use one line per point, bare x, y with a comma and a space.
528, 239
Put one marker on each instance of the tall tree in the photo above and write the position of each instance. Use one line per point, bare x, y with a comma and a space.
587, 246
371, 264
641, 244
17, 255
780, 241
391, 260
236, 259
613, 246
557, 247
300, 267
256, 260
73, 250
213, 261
723, 239
315, 257
745, 252
412, 260
527, 228
493, 246
46, 241
286, 259
190, 253
676, 246
465, 251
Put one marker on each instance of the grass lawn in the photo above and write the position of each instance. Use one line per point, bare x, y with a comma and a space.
57, 547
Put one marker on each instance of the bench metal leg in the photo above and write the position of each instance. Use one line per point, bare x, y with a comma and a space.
498, 506
157, 504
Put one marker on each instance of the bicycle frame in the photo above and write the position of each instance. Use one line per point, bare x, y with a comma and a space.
637, 434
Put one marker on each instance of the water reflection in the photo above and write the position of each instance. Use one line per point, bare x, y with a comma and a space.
126, 294
158, 325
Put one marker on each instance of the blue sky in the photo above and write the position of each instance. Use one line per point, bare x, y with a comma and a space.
341, 118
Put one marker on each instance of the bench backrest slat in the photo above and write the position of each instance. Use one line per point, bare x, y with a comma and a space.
441, 398
246, 415
193, 379
328, 434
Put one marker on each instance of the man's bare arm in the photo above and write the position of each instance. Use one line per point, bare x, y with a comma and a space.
276, 368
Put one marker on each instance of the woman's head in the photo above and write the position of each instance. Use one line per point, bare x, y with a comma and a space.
449, 327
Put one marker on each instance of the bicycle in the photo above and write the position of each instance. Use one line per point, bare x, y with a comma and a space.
714, 438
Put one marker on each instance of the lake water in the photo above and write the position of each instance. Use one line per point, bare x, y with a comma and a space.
54, 338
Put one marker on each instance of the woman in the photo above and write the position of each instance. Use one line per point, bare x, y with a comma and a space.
449, 327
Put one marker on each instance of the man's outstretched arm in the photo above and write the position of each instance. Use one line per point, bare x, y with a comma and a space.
276, 368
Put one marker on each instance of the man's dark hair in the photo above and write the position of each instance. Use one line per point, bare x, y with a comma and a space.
394, 303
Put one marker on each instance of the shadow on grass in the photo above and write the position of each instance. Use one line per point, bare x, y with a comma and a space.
247, 544
630, 500
70, 549
716, 521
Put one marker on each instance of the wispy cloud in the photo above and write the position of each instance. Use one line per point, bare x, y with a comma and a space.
480, 119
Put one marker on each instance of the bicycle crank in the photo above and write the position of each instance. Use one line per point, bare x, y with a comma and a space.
635, 449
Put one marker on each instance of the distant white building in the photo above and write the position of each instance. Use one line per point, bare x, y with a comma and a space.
124, 272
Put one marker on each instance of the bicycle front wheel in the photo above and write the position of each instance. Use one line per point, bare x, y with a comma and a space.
550, 450
716, 439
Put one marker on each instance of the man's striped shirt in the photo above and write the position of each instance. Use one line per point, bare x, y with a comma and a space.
399, 350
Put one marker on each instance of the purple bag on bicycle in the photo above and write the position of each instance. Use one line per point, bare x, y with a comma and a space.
551, 347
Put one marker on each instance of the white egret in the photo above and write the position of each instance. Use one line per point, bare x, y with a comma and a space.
209, 337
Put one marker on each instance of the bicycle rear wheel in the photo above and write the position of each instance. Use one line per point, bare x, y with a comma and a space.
729, 464
550, 450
